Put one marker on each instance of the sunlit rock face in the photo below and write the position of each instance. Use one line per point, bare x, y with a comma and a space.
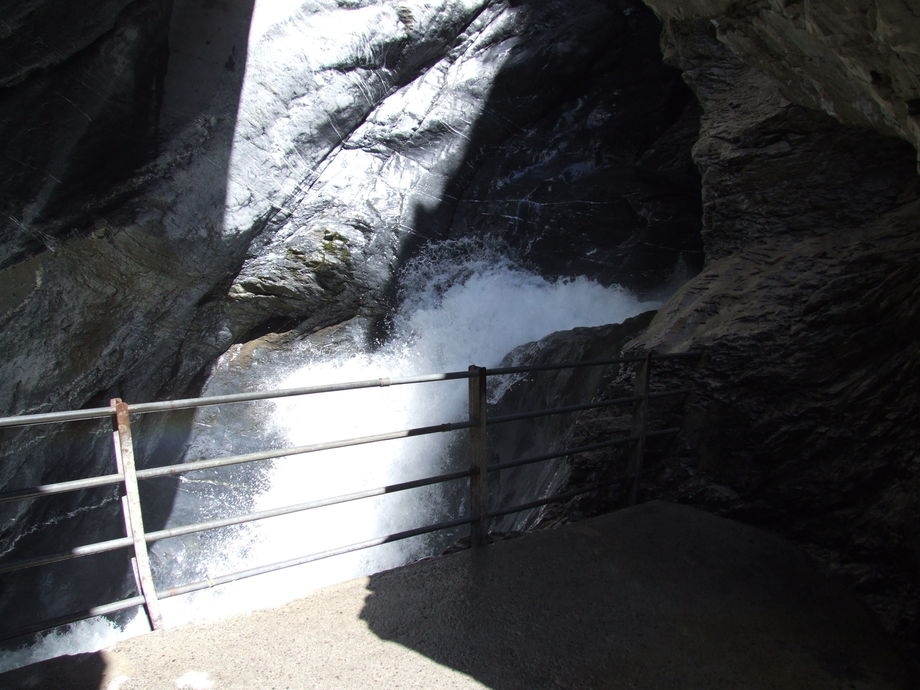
559, 132
286, 156
182, 176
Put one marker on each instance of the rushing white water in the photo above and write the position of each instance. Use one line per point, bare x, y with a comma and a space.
457, 307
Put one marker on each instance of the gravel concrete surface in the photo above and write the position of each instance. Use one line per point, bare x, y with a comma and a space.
656, 596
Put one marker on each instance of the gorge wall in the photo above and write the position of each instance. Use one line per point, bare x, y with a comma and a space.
180, 177
804, 412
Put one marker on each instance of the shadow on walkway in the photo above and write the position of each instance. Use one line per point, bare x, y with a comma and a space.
657, 596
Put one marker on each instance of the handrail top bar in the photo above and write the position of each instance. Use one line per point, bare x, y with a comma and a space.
501, 371
48, 417
382, 382
188, 403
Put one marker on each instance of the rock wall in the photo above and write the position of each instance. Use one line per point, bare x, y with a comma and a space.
544, 390
179, 177
182, 176
855, 60
279, 166
803, 417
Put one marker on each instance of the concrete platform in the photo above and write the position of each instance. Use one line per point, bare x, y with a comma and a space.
657, 596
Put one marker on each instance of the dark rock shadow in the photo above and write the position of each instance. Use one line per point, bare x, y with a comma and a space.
579, 162
550, 389
86, 108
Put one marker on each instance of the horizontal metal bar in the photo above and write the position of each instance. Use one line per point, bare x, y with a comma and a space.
61, 487
187, 403
184, 467
102, 610
76, 552
143, 408
239, 575
561, 454
622, 441
300, 507
261, 570
49, 417
587, 488
501, 419
501, 371
575, 492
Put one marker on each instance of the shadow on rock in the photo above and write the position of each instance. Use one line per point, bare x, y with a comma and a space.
114, 117
579, 161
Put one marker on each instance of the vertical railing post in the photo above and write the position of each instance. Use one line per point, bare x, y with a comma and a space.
479, 457
131, 508
639, 427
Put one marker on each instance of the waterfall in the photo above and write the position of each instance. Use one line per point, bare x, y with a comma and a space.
459, 303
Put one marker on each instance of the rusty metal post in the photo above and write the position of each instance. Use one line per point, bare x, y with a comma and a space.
639, 427
131, 508
479, 457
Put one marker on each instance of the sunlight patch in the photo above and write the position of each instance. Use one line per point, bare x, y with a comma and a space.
195, 680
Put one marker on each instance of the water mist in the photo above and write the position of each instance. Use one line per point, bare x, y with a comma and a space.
459, 304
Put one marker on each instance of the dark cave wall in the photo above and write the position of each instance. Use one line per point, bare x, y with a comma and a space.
855, 60
86, 87
803, 416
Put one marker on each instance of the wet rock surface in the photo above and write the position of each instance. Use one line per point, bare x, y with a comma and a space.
179, 178
289, 198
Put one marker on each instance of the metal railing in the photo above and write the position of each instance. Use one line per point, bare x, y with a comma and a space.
478, 474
